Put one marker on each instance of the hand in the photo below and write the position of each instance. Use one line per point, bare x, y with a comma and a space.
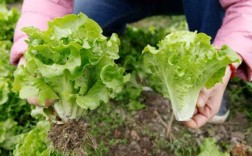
209, 102
34, 100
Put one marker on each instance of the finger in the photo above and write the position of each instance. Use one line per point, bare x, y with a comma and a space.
195, 112
207, 111
21, 61
213, 105
50, 102
197, 121
203, 97
34, 101
203, 116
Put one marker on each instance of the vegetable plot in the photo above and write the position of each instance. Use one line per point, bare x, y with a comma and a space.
15, 117
184, 63
8, 19
73, 64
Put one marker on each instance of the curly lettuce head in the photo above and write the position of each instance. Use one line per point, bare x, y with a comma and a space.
183, 63
71, 62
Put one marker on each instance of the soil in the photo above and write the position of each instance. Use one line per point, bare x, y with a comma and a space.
71, 137
145, 128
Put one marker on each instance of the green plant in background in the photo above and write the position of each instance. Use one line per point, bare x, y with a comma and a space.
240, 97
15, 117
8, 19
133, 41
131, 93
209, 148
35, 142
8, 134
6, 72
182, 146
8, 1
11, 107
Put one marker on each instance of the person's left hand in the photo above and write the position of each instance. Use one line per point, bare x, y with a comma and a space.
209, 102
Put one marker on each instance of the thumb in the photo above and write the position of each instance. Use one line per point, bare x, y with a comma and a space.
17, 50
203, 97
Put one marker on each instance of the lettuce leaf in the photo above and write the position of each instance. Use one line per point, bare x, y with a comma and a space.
209, 148
34, 142
183, 63
8, 134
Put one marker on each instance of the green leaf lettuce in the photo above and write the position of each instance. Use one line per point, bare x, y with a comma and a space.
72, 63
183, 63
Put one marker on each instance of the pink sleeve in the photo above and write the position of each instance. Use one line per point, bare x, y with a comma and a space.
236, 32
36, 13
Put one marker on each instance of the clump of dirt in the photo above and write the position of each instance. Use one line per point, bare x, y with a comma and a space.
71, 137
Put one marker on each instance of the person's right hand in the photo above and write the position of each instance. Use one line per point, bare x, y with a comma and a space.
34, 100
209, 101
